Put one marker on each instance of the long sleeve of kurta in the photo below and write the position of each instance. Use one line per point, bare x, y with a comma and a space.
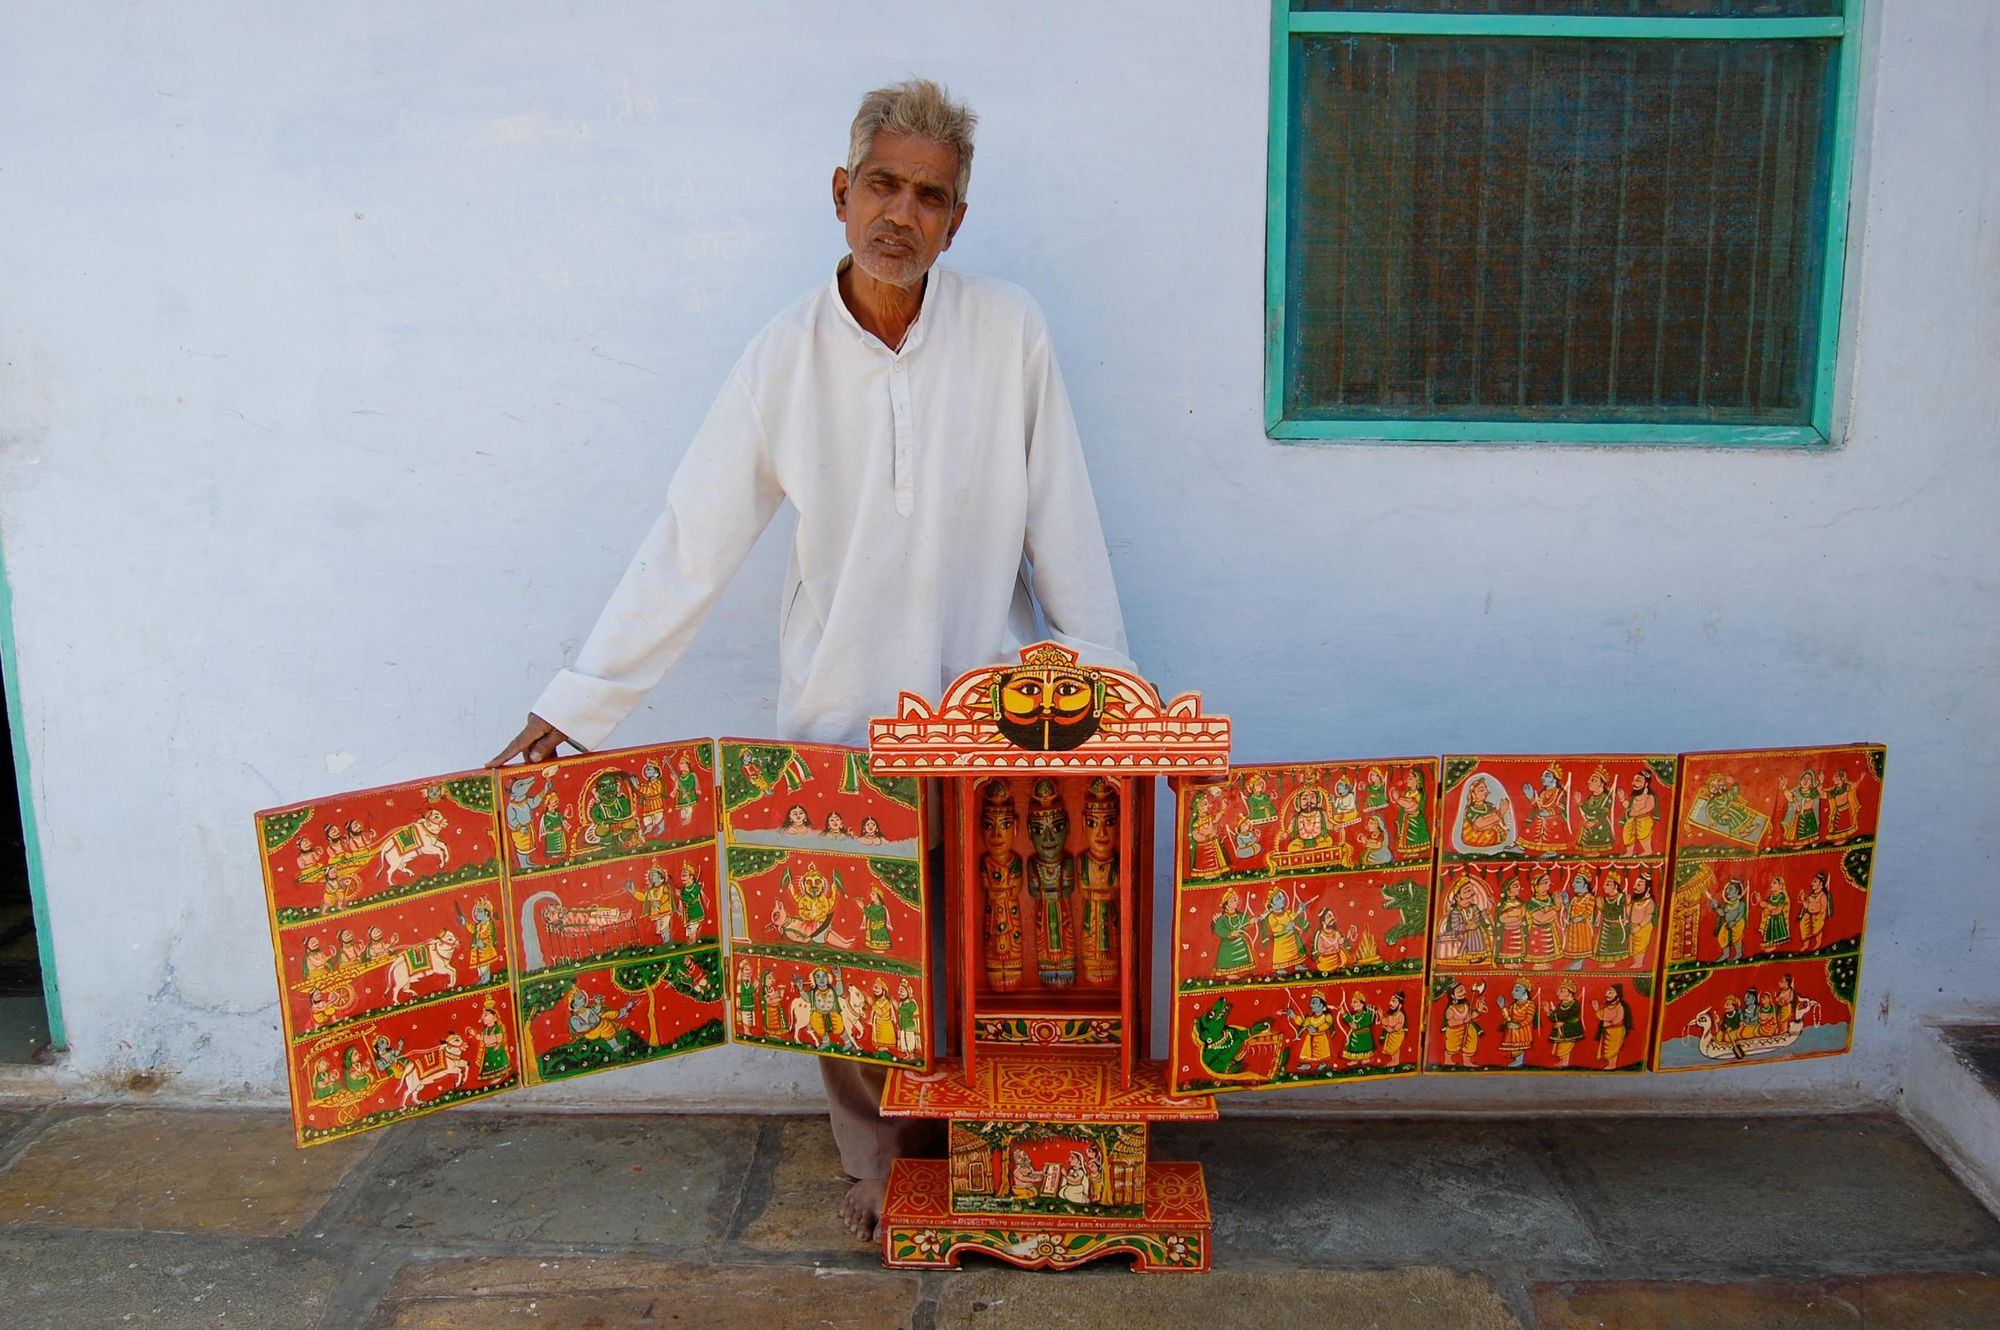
1069, 568
941, 492
720, 500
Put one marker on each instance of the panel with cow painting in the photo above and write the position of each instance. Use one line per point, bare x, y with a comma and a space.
402, 1062
611, 882
367, 960
334, 854
386, 920
1302, 899
826, 907
1774, 853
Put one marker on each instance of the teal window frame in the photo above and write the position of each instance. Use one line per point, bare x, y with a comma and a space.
1287, 25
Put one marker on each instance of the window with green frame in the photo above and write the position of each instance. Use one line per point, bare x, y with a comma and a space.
1563, 221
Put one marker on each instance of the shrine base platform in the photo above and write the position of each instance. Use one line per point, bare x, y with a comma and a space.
919, 1231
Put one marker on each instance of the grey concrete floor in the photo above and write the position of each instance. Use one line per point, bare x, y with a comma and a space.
155, 1217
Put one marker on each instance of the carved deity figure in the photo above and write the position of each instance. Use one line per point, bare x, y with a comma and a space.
1051, 882
1000, 876
1096, 874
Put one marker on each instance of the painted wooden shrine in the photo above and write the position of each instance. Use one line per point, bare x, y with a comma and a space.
1046, 767
458, 937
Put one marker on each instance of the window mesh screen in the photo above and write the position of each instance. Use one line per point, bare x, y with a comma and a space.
1530, 229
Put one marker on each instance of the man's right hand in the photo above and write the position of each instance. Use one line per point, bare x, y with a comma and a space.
537, 742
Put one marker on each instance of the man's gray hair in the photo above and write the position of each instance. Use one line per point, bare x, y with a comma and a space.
921, 109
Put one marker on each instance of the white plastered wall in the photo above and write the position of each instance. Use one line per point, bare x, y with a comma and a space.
344, 356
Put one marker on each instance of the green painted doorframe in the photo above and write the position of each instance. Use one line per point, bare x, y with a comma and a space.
10, 668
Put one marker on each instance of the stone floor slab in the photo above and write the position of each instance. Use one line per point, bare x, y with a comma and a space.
625, 1181
186, 1171
1715, 1197
1672, 1305
802, 1210
989, 1298
55, 1279
11, 1124
1931, 1302
642, 1295
1289, 1192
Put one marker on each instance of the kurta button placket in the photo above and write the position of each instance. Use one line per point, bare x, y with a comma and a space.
903, 471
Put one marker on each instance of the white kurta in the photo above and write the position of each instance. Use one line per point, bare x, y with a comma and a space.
936, 487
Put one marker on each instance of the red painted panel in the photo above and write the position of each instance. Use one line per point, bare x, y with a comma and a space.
347, 850
856, 1011
402, 1063
417, 948
607, 805
1781, 799
1293, 881
1282, 820
612, 886
575, 1022
1553, 915
1350, 924
1804, 1009
1772, 867
1766, 906
1281, 1035
1538, 1021
1582, 806
817, 797
826, 869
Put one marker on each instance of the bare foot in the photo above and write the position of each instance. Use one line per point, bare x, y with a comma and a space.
862, 1207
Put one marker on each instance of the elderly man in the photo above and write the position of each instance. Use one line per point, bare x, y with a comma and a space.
916, 419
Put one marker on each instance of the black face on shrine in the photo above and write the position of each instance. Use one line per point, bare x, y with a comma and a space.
1047, 709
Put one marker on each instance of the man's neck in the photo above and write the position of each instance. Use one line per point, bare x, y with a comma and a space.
882, 309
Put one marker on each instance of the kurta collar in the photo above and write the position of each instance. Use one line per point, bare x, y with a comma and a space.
927, 310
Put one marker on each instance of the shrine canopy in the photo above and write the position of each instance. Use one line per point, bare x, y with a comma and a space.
1049, 713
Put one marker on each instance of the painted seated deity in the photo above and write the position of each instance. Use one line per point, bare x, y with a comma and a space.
1482, 822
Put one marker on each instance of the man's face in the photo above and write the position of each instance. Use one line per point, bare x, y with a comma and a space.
901, 207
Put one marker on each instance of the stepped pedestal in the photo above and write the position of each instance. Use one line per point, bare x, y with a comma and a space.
1048, 1167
